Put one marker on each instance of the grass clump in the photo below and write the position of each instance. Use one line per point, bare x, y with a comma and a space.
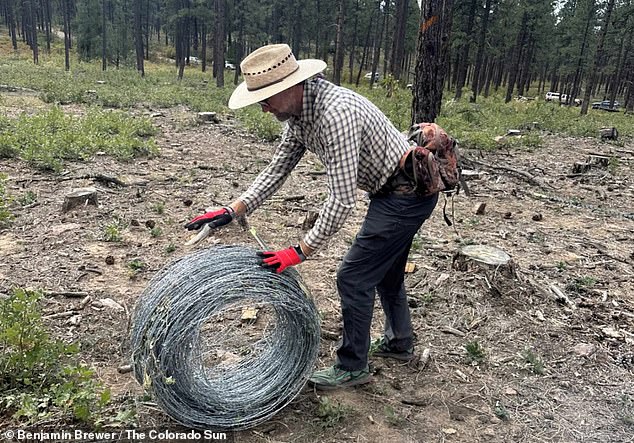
533, 362
41, 377
331, 413
48, 138
475, 352
112, 231
581, 285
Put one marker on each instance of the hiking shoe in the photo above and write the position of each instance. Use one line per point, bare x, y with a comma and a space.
334, 378
384, 350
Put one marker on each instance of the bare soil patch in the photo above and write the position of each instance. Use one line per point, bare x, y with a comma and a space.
554, 369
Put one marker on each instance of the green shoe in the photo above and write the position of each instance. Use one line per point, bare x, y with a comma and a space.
334, 377
385, 351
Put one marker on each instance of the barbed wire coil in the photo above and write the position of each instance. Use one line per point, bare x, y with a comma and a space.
207, 367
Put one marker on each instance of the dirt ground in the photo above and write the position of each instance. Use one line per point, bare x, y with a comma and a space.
556, 338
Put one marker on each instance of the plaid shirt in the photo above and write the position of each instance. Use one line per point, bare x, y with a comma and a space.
355, 141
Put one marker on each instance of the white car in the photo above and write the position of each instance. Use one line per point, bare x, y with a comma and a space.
368, 76
556, 96
230, 66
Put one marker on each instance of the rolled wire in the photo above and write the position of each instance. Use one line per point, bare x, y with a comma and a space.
205, 367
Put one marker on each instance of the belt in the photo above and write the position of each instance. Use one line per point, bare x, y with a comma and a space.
398, 183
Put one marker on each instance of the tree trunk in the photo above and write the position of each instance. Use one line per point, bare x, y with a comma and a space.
66, 20
621, 61
47, 24
339, 49
377, 48
598, 58
147, 30
524, 80
398, 44
103, 36
519, 49
203, 50
366, 48
386, 46
10, 19
582, 52
219, 50
240, 45
138, 38
353, 43
629, 95
464, 56
30, 27
432, 58
475, 84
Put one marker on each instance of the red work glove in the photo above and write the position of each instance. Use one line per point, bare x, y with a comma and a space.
216, 218
280, 260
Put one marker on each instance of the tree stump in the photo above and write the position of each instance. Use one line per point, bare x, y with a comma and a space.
609, 133
581, 167
491, 261
601, 160
80, 197
208, 117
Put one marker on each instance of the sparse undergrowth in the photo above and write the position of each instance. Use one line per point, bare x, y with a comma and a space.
41, 377
476, 125
48, 138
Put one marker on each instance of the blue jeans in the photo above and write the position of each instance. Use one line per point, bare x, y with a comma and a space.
376, 263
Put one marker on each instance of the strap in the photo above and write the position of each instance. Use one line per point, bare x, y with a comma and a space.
403, 163
444, 211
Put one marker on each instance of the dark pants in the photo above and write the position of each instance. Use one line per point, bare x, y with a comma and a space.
376, 262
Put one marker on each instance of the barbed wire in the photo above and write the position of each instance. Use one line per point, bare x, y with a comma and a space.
206, 366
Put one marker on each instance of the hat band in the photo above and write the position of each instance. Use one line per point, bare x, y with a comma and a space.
266, 85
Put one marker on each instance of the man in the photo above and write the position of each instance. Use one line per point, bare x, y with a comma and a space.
359, 147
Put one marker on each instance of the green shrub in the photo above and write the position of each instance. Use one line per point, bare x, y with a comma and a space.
261, 125
40, 376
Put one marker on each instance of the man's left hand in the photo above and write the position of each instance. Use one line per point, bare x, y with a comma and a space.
280, 260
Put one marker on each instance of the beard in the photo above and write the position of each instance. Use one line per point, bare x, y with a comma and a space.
282, 116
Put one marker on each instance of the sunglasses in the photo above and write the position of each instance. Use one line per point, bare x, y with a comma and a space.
264, 103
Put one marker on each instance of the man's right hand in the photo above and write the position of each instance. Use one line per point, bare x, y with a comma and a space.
217, 218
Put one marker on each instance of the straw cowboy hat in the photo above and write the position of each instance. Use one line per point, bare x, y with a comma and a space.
269, 70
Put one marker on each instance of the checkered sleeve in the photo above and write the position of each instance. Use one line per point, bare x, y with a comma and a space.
286, 157
340, 133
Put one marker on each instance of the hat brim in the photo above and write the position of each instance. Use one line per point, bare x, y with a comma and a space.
242, 97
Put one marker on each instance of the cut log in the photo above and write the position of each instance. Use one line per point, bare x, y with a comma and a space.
80, 197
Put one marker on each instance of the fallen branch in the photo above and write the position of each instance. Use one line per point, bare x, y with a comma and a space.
60, 315
560, 296
532, 180
453, 331
101, 178
70, 294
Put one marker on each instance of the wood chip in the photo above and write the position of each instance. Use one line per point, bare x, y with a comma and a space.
410, 267
612, 332
110, 303
453, 331
249, 314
